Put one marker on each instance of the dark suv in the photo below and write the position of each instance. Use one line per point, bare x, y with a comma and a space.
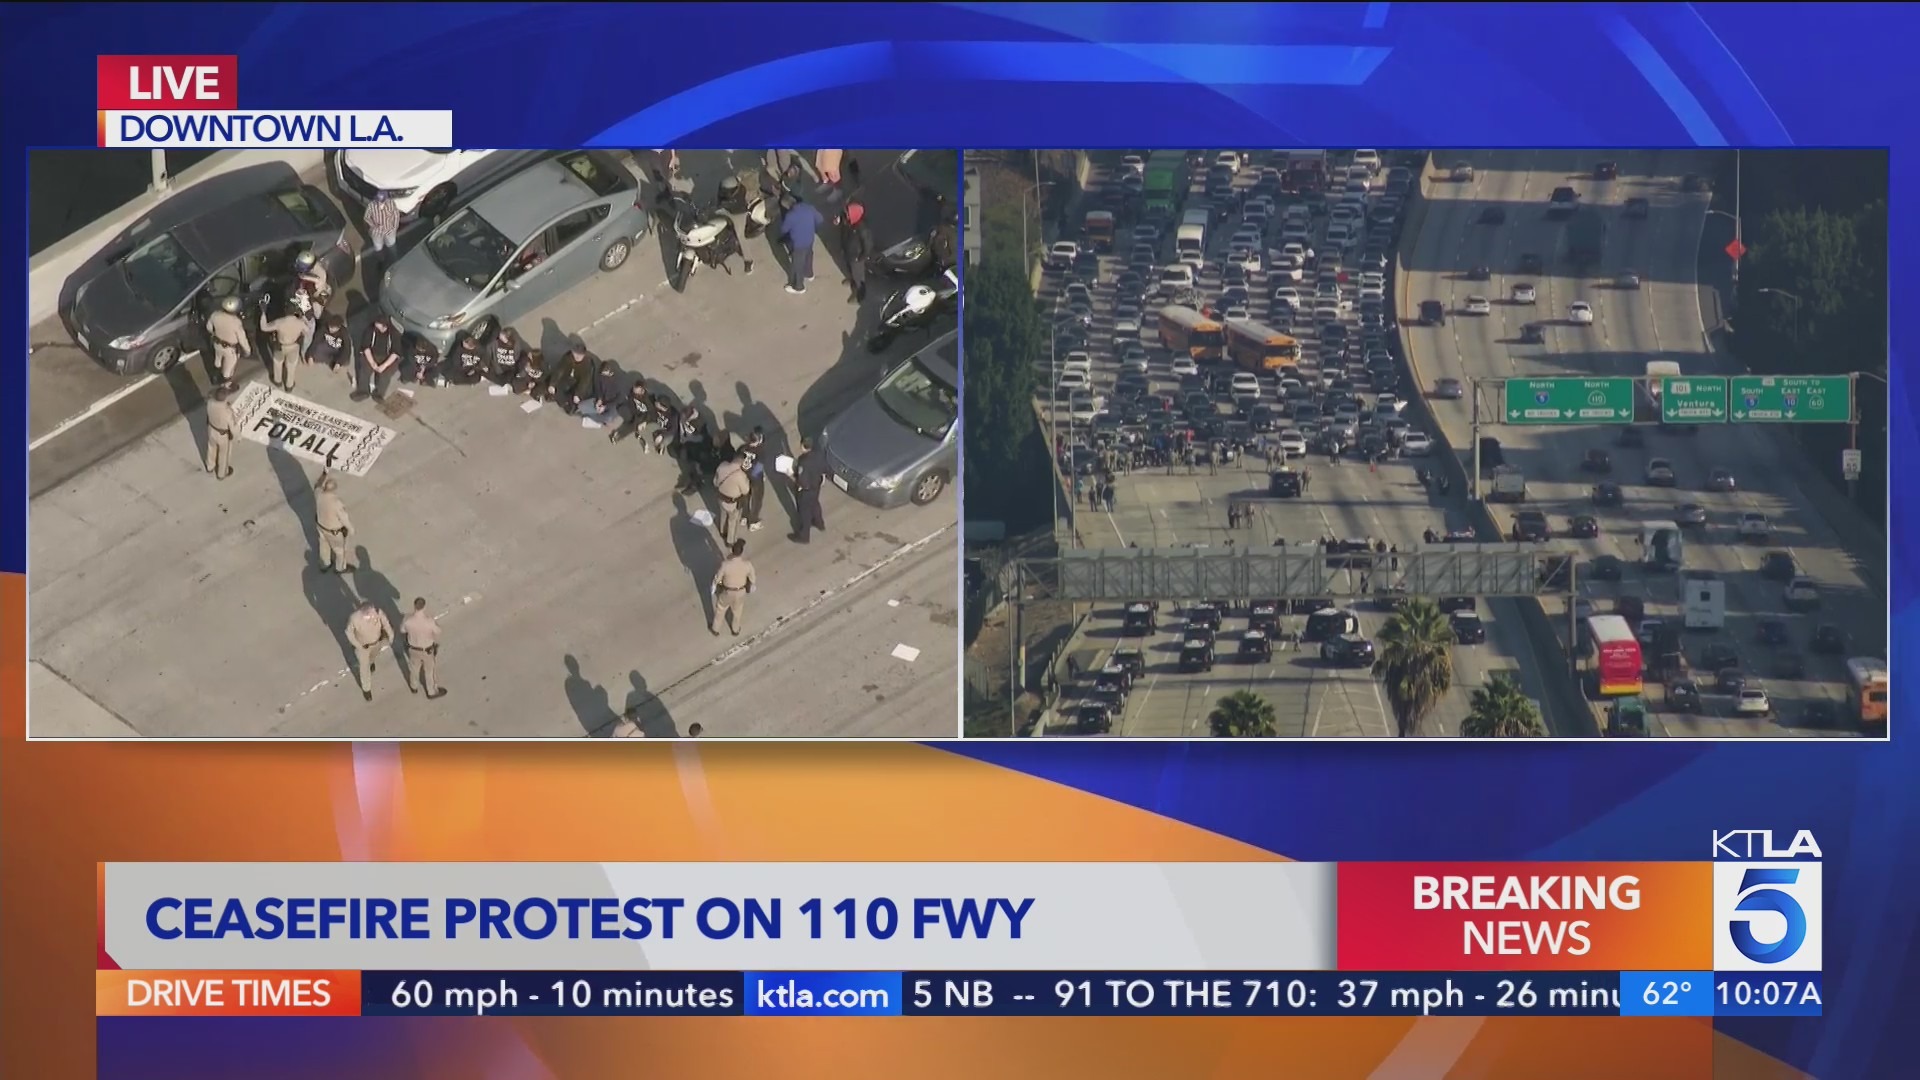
1433, 313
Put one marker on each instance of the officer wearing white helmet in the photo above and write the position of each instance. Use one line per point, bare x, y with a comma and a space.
309, 293
229, 336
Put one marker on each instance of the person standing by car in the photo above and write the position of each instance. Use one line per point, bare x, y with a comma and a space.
753, 457
228, 332
798, 229
284, 335
219, 435
383, 228
808, 475
856, 247
379, 360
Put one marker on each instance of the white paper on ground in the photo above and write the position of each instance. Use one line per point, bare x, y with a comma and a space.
406, 391
590, 423
530, 406
893, 603
702, 517
783, 465
906, 652
496, 390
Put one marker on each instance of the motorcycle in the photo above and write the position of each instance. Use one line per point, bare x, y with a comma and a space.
705, 238
919, 306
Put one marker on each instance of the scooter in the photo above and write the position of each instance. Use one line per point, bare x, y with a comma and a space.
917, 307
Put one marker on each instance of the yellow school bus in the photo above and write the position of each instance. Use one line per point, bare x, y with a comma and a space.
1184, 330
1867, 682
1260, 348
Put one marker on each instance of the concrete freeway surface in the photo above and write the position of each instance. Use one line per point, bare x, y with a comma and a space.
1172, 508
1663, 319
569, 577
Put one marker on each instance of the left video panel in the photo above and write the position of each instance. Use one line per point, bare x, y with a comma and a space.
494, 444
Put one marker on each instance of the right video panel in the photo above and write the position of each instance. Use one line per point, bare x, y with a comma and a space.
1390, 443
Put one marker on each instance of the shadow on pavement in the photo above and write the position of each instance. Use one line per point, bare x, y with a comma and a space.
591, 704
330, 595
698, 551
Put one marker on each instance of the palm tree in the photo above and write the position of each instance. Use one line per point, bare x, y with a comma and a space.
1243, 714
1415, 661
1499, 710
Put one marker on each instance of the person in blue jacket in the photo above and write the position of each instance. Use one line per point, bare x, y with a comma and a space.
798, 229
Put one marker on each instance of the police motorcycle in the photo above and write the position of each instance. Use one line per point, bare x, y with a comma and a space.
705, 237
917, 307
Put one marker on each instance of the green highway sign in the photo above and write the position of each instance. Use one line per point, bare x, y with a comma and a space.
1791, 399
1690, 399
1569, 401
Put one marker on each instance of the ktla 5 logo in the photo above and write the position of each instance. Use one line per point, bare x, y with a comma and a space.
1766, 916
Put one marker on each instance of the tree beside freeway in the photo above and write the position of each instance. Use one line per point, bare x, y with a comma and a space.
1003, 335
1416, 661
1499, 710
1243, 714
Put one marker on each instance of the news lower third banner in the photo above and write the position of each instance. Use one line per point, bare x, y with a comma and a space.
950, 939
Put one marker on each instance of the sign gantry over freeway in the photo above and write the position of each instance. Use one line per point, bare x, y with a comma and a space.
1693, 400
1791, 399
1567, 401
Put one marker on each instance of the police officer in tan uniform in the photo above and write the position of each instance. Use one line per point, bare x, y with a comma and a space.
336, 528
219, 435
367, 630
287, 336
423, 649
229, 336
734, 485
731, 584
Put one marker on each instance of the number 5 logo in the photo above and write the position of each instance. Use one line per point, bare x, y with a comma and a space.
1757, 893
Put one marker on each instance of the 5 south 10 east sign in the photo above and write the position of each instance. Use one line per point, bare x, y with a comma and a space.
1568, 401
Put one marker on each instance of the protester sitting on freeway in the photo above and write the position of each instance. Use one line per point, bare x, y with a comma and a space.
604, 406
466, 363
423, 363
572, 382
508, 352
531, 380
330, 345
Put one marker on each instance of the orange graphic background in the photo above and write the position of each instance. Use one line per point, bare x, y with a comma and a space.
112, 993
66, 808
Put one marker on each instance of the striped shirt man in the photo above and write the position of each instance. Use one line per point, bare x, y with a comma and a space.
383, 222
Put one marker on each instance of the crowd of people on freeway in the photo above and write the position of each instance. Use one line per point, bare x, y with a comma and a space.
298, 332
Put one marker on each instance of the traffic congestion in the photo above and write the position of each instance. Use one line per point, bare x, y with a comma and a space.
1226, 373
1748, 595
576, 402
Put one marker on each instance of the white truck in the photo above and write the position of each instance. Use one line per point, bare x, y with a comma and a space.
1657, 370
1509, 484
1704, 602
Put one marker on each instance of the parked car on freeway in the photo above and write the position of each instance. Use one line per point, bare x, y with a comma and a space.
160, 278
899, 444
424, 184
517, 246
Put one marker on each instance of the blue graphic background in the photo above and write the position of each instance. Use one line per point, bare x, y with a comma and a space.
1173, 75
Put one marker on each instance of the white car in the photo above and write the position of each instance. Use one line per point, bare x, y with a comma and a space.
1292, 443
1801, 593
1229, 158
1367, 159
1288, 296
1084, 407
1077, 360
1755, 526
1524, 293
1660, 473
1247, 256
412, 177
1134, 163
1290, 267
1416, 444
1246, 384
1076, 291
1135, 363
1185, 365
1580, 313
1126, 322
1062, 253
1178, 276
1479, 305
1390, 403
1752, 703
1074, 379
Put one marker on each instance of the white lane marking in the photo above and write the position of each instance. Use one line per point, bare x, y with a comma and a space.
93, 410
